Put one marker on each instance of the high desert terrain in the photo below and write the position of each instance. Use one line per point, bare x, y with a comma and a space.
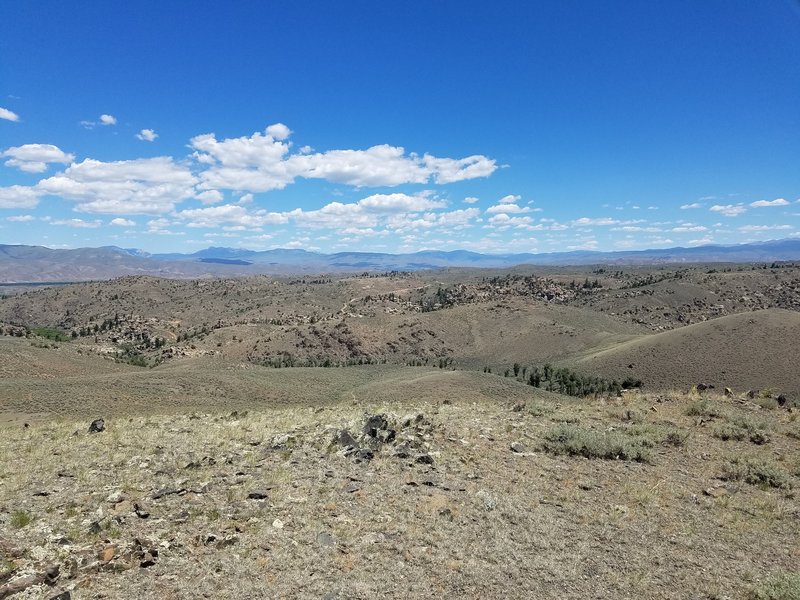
527, 432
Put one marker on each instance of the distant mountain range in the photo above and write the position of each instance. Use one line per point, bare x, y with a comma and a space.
35, 264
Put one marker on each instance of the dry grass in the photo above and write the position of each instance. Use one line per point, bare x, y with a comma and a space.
482, 521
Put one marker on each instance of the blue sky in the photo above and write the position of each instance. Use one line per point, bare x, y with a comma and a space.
399, 126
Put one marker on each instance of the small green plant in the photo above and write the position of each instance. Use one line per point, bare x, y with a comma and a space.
782, 586
575, 441
704, 408
742, 428
755, 472
20, 519
55, 335
767, 402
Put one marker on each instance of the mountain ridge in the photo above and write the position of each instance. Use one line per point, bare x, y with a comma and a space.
31, 264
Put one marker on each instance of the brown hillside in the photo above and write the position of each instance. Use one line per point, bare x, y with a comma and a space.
754, 350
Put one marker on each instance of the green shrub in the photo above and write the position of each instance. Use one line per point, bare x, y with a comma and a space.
20, 519
783, 586
755, 472
704, 408
574, 441
742, 428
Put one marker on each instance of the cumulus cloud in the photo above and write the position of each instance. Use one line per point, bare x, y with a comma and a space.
755, 228
508, 208
19, 196
147, 135
765, 203
79, 223
21, 218
586, 221
108, 120
119, 222
692, 205
510, 199
504, 221
141, 186
470, 200
689, 227
729, 210
8, 115
263, 162
34, 158
210, 196
230, 215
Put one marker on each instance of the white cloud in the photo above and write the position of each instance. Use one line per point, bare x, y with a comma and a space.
246, 199
470, 200
141, 186
210, 196
122, 222
262, 162
79, 223
585, 221
508, 208
19, 196
33, 158
693, 205
754, 228
279, 131
21, 218
509, 199
147, 135
765, 203
729, 210
503, 221
8, 115
108, 120
230, 215
689, 228
701, 241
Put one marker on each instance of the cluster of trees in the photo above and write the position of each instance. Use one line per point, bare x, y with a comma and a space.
287, 360
566, 381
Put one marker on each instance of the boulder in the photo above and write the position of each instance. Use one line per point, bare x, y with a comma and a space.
97, 426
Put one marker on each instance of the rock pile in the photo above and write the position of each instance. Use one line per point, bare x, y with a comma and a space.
406, 437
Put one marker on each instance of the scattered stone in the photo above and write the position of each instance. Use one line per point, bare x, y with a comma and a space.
517, 447
167, 491
66, 595
326, 540
424, 459
277, 524
701, 387
148, 559
728, 392
364, 454
115, 497
228, 540
782, 400
346, 439
374, 424
95, 528
518, 407
489, 501
352, 487
97, 426
41, 493
107, 553
257, 495
140, 511
716, 492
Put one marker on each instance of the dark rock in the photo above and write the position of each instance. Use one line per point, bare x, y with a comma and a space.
374, 424
424, 459
346, 439
752, 394
518, 407
95, 527
148, 559
782, 400
517, 447
62, 596
701, 387
728, 392
51, 574
364, 454
97, 426
759, 438
168, 491
403, 450
257, 495
41, 493
140, 511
